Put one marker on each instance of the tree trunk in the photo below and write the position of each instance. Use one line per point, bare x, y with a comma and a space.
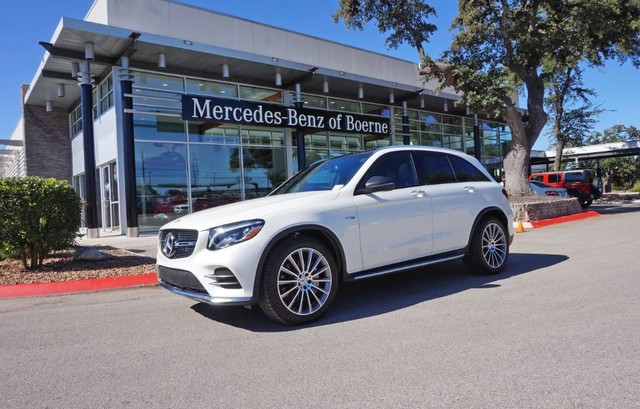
557, 162
516, 163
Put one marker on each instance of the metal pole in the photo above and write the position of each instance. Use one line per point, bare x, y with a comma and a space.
129, 160
86, 101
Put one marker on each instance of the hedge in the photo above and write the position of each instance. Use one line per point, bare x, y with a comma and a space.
37, 216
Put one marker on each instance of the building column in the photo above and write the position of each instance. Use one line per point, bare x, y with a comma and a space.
302, 158
476, 138
128, 159
406, 137
91, 199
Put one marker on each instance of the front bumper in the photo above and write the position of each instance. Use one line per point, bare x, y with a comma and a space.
207, 298
221, 277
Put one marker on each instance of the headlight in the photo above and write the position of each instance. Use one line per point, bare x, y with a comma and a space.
230, 234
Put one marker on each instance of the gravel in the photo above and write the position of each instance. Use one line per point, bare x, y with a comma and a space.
62, 266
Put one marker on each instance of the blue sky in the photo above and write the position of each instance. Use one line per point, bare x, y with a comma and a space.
24, 23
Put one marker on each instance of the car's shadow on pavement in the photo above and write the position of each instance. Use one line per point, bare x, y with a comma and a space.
376, 296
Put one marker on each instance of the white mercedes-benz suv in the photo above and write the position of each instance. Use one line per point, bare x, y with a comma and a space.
346, 218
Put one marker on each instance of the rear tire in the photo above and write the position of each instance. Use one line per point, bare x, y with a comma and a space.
299, 281
586, 203
489, 247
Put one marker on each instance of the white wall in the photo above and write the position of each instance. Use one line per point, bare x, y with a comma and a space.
104, 138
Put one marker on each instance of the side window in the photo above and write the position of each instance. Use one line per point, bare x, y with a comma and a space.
465, 171
554, 178
395, 165
433, 168
538, 178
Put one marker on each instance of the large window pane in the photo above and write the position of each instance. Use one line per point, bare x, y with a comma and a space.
215, 176
161, 182
260, 94
264, 170
157, 127
213, 132
216, 89
157, 81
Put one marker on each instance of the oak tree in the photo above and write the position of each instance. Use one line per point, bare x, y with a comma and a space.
500, 45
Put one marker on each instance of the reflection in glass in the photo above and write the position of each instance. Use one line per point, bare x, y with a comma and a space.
213, 132
216, 89
215, 176
157, 127
161, 182
264, 170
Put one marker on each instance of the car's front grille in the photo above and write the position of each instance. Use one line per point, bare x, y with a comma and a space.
181, 279
184, 242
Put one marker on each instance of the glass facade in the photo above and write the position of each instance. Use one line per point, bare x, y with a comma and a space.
186, 166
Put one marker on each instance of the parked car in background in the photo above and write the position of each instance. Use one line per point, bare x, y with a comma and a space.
541, 189
581, 184
345, 218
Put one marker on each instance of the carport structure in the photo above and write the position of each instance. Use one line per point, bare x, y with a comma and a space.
591, 152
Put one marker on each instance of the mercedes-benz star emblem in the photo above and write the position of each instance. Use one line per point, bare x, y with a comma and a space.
169, 245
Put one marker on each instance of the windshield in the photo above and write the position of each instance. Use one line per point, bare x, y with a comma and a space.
324, 175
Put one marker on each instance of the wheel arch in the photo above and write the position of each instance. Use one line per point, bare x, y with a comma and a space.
489, 212
320, 233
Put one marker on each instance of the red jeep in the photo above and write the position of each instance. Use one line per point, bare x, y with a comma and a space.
581, 183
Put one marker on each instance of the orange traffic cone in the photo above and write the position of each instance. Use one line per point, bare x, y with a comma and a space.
520, 228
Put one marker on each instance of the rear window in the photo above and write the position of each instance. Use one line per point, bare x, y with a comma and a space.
570, 177
465, 171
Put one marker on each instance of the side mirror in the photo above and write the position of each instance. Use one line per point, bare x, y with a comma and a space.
379, 184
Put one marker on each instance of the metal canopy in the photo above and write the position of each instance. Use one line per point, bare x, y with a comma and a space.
199, 60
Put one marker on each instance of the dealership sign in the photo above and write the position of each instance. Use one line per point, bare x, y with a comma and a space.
198, 108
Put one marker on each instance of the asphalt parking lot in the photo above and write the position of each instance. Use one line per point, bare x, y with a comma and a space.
558, 329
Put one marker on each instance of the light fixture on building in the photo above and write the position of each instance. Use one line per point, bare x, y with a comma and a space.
225, 70
89, 54
360, 92
392, 98
60, 90
162, 61
48, 106
422, 102
445, 106
278, 79
325, 86
75, 69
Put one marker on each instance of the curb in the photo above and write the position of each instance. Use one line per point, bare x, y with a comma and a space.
564, 219
78, 286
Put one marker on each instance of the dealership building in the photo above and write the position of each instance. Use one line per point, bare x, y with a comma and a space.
154, 109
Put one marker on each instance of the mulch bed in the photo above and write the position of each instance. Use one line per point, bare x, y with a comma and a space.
61, 266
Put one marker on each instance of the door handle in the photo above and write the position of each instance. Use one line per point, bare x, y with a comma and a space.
418, 193
470, 189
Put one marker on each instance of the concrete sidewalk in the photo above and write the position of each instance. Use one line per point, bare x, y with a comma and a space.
146, 244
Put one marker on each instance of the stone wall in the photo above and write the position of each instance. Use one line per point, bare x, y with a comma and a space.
548, 209
47, 146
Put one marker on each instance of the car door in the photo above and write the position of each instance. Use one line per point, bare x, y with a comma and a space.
454, 189
395, 225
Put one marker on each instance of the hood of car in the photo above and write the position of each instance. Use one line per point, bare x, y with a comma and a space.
250, 209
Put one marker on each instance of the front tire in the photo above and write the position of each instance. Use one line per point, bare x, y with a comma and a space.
489, 248
299, 281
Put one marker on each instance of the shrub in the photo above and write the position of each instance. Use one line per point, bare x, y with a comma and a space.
636, 187
37, 216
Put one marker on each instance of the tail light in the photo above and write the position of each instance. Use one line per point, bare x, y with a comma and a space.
504, 192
